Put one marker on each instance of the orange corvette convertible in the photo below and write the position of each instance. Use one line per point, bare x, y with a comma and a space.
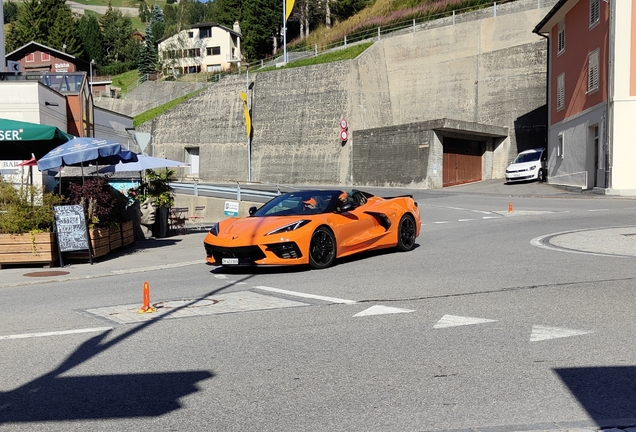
314, 227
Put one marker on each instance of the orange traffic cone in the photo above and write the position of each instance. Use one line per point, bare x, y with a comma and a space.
510, 207
146, 298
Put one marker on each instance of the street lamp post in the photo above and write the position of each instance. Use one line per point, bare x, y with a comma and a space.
91, 72
250, 100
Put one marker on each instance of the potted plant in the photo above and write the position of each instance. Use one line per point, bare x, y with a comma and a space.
26, 225
155, 187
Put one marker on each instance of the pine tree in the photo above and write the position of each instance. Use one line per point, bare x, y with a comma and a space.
119, 45
157, 23
10, 12
262, 20
91, 39
148, 55
27, 27
63, 34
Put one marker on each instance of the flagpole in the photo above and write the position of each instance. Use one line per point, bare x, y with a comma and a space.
284, 32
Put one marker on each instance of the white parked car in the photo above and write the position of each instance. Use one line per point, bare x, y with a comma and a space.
528, 165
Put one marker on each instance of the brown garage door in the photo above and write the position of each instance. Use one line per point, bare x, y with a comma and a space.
462, 161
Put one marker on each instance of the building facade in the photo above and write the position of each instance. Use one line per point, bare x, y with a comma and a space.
206, 47
37, 58
591, 94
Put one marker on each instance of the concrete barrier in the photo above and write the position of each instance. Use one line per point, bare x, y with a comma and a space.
214, 207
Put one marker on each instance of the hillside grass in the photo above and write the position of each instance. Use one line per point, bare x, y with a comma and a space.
333, 56
154, 112
120, 3
384, 13
125, 80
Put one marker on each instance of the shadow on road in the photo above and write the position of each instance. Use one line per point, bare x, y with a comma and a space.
607, 393
53, 397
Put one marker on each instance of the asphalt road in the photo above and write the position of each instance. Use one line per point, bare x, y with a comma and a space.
490, 324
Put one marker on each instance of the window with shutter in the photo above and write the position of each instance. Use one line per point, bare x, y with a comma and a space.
560, 102
592, 71
595, 11
561, 37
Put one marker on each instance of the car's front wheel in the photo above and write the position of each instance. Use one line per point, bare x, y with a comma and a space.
322, 248
406, 233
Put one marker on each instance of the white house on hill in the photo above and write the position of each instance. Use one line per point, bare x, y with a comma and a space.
206, 47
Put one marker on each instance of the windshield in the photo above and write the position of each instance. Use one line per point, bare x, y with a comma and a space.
527, 157
300, 203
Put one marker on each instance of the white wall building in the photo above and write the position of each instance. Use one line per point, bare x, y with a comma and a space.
206, 47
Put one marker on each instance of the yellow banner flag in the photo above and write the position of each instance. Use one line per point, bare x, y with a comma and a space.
289, 5
248, 120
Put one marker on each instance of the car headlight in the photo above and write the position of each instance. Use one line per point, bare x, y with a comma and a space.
215, 229
289, 227
532, 168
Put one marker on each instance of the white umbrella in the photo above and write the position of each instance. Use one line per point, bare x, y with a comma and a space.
145, 162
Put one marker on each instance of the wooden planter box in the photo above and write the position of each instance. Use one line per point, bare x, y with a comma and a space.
100, 241
114, 234
38, 248
127, 233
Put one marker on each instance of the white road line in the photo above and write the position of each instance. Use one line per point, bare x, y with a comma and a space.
490, 217
441, 222
305, 295
56, 333
595, 210
539, 242
465, 220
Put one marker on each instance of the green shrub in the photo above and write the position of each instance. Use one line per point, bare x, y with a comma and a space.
26, 210
156, 185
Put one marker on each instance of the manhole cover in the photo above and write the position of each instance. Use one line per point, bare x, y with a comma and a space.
185, 303
47, 273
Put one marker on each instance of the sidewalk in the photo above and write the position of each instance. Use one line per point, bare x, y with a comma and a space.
141, 256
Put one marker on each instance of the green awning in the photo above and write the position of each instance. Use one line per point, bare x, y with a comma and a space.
18, 139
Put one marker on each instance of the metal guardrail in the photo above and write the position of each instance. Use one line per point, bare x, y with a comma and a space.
239, 191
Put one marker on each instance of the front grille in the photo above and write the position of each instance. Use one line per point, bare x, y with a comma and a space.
245, 254
287, 250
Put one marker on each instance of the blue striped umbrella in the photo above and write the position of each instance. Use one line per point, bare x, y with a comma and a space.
85, 150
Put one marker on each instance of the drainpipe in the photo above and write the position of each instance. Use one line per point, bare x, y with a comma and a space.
547, 96
609, 128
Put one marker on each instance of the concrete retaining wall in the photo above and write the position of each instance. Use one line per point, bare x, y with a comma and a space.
490, 71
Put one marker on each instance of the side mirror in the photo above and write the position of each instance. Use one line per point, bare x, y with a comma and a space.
252, 210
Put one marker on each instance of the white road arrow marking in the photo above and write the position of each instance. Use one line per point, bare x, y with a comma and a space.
540, 333
381, 310
454, 321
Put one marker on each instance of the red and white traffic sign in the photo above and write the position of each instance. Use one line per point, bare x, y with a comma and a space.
343, 124
344, 135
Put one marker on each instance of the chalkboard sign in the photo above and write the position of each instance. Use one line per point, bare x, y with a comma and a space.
70, 226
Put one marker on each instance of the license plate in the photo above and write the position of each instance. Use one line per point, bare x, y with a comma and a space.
229, 261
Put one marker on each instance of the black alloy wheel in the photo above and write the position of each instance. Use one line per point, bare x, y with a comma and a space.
322, 249
406, 233
540, 175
